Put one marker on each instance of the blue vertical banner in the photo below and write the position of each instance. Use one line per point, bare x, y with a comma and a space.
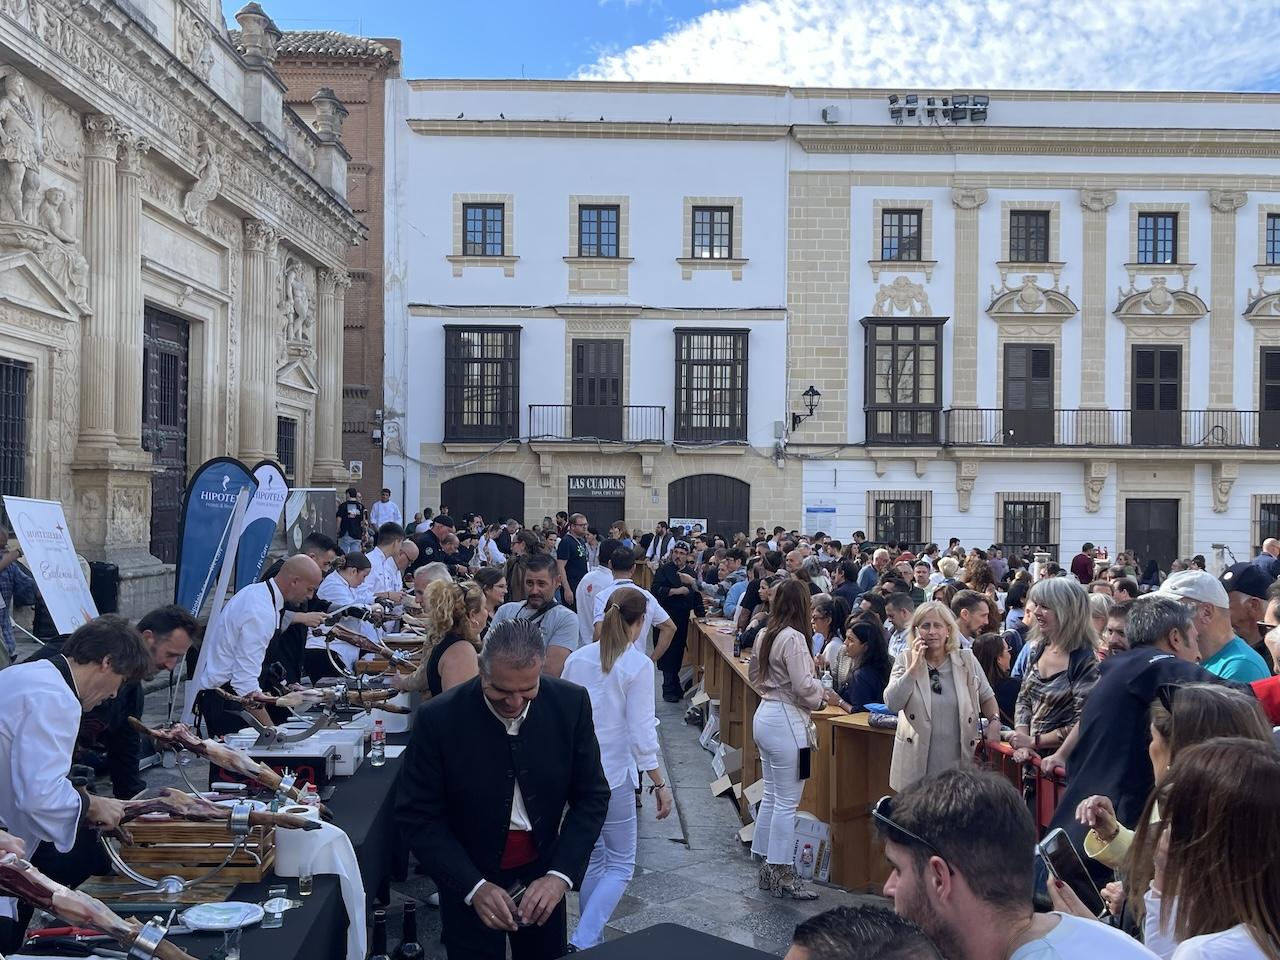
260, 522
208, 504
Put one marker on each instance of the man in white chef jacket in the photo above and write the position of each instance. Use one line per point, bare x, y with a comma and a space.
385, 579
385, 510
235, 646
43, 703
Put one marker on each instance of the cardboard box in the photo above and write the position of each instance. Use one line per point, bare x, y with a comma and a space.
753, 794
349, 745
711, 727
727, 762
811, 830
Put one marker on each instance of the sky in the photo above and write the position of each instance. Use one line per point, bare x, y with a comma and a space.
1046, 44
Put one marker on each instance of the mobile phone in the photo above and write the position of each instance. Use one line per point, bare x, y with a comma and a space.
516, 891
1064, 864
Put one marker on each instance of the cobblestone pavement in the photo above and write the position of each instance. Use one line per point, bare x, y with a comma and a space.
691, 868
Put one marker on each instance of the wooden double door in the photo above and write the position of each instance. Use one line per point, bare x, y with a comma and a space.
165, 383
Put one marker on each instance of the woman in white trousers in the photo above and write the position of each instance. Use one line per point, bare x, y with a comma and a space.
619, 679
782, 671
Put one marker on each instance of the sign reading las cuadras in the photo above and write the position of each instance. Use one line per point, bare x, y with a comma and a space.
41, 529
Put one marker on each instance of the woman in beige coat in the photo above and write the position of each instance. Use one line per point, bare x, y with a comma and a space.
939, 691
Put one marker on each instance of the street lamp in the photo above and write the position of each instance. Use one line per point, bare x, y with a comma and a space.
811, 398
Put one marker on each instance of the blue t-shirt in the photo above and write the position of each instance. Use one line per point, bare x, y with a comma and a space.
1239, 662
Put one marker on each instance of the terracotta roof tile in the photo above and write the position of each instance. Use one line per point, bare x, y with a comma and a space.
324, 43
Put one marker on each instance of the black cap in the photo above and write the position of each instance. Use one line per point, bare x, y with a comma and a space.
1246, 578
445, 520
680, 545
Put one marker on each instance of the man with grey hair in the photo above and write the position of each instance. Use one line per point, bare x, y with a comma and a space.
502, 797
869, 575
1106, 753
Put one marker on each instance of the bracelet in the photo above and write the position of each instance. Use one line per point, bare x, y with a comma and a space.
655, 787
1035, 743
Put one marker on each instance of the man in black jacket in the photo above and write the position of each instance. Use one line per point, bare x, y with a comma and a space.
677, 592
282, 664
502, 785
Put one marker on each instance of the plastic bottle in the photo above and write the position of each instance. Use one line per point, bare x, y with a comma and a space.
310, 796
806, 861
828, 681
378, 745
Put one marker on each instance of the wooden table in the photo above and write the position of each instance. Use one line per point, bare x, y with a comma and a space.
850, 768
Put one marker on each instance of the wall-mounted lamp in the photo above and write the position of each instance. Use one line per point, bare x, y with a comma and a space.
811, 398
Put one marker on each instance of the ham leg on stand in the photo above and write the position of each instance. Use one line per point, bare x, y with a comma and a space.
180, 737
368, 699
184, 806
399, 660
18, 878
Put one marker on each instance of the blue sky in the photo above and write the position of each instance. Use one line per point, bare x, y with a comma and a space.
1044, 44
492, 38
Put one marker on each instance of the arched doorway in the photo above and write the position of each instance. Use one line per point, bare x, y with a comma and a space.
492, 495
724, 502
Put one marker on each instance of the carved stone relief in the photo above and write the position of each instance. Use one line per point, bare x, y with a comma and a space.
1159, 300
966, 477
901, 296
61, 251
1030, 298
1095, 478
296, 308
208, 182
21, 150
195, 46
62, 134
1225, 474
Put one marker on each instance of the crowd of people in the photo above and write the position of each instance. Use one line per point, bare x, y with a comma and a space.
1153, 695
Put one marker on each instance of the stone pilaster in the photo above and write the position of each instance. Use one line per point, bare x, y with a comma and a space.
273, 335
964, 333
128, 316
1093, 301
257, 358
1222, 305
101, 237
332, 286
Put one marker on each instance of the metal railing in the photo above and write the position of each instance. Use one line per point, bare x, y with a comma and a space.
1223, 429
617, 424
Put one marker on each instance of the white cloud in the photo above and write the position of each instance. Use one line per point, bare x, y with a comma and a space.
1066, 44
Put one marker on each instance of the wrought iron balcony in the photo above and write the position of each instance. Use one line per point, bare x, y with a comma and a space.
588, 424
1191, 429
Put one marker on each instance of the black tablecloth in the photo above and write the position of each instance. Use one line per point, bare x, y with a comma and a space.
672, 940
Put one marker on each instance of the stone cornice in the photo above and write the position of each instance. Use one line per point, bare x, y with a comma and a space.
598, 129
1051, 141
106, 58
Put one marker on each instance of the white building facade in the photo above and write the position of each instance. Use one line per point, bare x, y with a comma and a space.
1052, 325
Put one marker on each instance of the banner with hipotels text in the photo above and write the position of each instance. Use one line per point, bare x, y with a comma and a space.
260, 522
207, 507
41, 529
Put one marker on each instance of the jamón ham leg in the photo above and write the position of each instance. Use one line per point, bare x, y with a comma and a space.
180, 737
368, 699
185, 806
365, 645
18, 878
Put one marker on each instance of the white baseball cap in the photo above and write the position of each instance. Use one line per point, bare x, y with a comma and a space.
1195, 585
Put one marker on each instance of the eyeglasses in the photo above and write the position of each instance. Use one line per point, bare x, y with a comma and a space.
935, 680
883, 813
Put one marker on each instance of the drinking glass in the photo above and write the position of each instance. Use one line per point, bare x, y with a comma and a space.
231, 944
305, 875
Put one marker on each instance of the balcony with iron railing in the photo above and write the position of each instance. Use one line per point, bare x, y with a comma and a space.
569, 423
993, 427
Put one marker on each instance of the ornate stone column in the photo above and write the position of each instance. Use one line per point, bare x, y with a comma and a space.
1222, 304
273, 336
964, 333
101, 238
328, 458
1094, 205
254, 359
128, 317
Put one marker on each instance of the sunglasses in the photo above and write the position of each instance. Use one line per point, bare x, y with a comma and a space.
883, 813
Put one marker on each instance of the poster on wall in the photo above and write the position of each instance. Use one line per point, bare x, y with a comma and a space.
819, 517
41, 529
307, 510
692, 525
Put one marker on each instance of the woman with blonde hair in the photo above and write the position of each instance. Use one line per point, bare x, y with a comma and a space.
619, 680
455, 615
783, 671
939, 691
1099, 613
1061, 671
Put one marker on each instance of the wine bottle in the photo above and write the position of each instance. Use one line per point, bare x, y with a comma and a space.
410, 948
379, 938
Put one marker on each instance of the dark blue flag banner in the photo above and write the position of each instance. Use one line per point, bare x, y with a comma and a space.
260, 522
207, 507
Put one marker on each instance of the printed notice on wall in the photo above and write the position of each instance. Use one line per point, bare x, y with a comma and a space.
41, 529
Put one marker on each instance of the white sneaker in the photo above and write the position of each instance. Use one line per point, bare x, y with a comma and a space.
433, 900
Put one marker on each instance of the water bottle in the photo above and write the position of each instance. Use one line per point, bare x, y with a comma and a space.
806, 861
828, 681
378, 745
737, 645
310, 796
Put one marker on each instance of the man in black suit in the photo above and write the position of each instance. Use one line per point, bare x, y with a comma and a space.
677, 591
487, 778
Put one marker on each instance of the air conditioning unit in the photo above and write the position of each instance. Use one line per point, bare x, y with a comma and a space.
831, 114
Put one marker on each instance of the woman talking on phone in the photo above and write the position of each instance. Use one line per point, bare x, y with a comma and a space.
782, 671
619, 680
939, 691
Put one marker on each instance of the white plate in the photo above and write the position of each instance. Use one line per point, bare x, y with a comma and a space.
221, 916
258, 805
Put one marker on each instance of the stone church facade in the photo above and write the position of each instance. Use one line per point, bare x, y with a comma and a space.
173, 241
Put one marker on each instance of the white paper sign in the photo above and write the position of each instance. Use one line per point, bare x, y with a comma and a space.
41, 529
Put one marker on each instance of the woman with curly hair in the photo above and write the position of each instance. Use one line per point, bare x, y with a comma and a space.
455, 615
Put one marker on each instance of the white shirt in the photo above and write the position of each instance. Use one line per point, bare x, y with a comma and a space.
1235, 943
488, 552
559, 625
235, 648
589, 588
519, 815
653, 614
384, 577
622, 710
336, 592
381, 513
38, 729
1075, 938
